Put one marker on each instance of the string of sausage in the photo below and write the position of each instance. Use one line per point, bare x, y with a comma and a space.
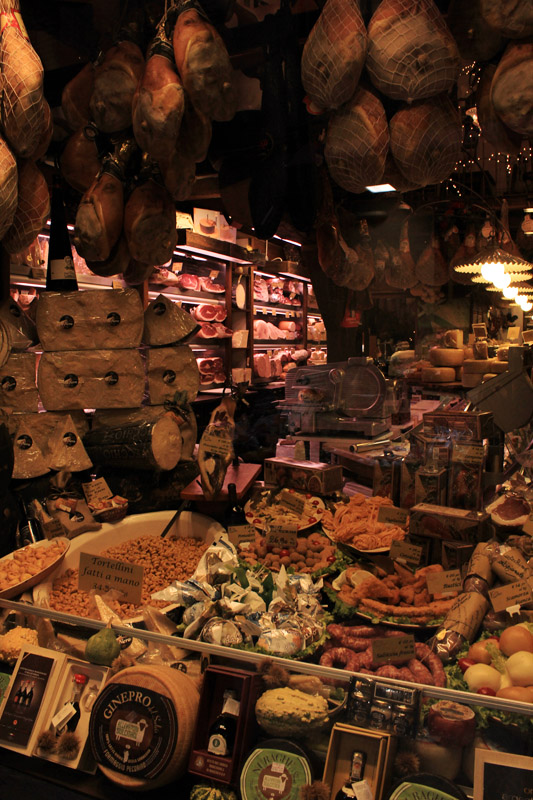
350, 648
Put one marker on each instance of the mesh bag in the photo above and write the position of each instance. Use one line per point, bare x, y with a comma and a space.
8, 187
334, 54
23, 111
357, 142
513, 18
32, 209
411, 52
425, 140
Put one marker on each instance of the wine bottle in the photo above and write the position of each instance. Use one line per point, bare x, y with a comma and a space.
60, 272
80, 681
357, 768
29, 695
222, 731
234, 512
29, 527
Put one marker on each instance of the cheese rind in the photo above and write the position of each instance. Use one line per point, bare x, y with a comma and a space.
171, 370
472, 379
91, 379
166, 323
99, 319
479, 365
18, 390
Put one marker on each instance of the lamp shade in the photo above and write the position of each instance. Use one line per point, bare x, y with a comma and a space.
493, 257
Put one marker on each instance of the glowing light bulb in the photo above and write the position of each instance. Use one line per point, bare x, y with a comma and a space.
492, 272
520, 299
510, 292
527, 306
502, 281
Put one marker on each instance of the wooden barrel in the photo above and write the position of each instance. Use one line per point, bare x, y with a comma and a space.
142, 725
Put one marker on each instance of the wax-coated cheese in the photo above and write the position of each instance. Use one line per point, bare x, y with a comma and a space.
446, 357
438, 375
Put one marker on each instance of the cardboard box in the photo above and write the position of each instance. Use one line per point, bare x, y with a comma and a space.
431, 486
440, 524
308, 476
61, 711
216, 680
28, 697
467, 425
379, 748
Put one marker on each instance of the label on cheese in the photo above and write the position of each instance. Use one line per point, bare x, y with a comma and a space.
238, 534
405, 553
393, 649
513, 594
392, 515
133, 730
104, 574
285, 535
445, 582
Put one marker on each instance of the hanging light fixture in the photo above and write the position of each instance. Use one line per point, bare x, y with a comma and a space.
514, 278
492, 260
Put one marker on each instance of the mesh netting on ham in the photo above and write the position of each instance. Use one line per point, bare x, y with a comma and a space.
357, 142
8, 187
411, 52
32, 210
334, 54
425, 140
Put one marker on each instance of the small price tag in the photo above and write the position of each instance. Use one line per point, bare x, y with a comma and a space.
105, 574
445, 582
177, 266
406, 553
238, 534
393, 650
218, 445
392, 515
513, 594
293, 502
214, 273
116, 285
52, 528
281, 535
95, 491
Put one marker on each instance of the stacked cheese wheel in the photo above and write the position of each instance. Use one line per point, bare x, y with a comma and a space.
478, 370
445, 363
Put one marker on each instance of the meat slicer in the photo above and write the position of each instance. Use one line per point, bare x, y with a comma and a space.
347, 397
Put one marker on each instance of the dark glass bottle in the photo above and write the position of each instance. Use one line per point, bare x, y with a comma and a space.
347, 792
29, 527
60, 272
223, 730
235, 512
29, 695
80, 681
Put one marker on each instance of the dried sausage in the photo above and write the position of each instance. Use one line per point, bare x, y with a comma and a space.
433, 662
421, 673
341, 658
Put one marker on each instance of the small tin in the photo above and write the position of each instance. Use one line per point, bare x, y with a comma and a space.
358, 765
359, 705
402, 720
380, 715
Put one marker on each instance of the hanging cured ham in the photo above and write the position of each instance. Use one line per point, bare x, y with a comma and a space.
357, 142
8, 187
116, 263
215, 451
401, 270
115, 82
476, 39
425, 140
512, 88
100, 214
512, 18
334, 54
431, 266
76, 97
150, 223
23, 113
466, 252
493, 129
159, 100
33, 207
411, 52
331, 253
79, 160
203, 64
357, 249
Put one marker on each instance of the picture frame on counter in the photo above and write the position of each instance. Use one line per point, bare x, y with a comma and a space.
502, 776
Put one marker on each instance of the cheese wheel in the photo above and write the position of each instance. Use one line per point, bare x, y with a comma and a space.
471, 379
477, 365
498, 366
142, 724
446, 357
438, 375
469, 352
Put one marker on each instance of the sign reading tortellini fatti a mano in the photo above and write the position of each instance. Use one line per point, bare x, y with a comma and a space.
105, 574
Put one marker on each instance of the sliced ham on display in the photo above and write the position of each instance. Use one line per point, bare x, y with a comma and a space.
220, 377
334, 54
209, 285
187, 281
22, 101
206, 378
210, 365
205, 312
221, 313
207, 331
262, 365
222, 331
